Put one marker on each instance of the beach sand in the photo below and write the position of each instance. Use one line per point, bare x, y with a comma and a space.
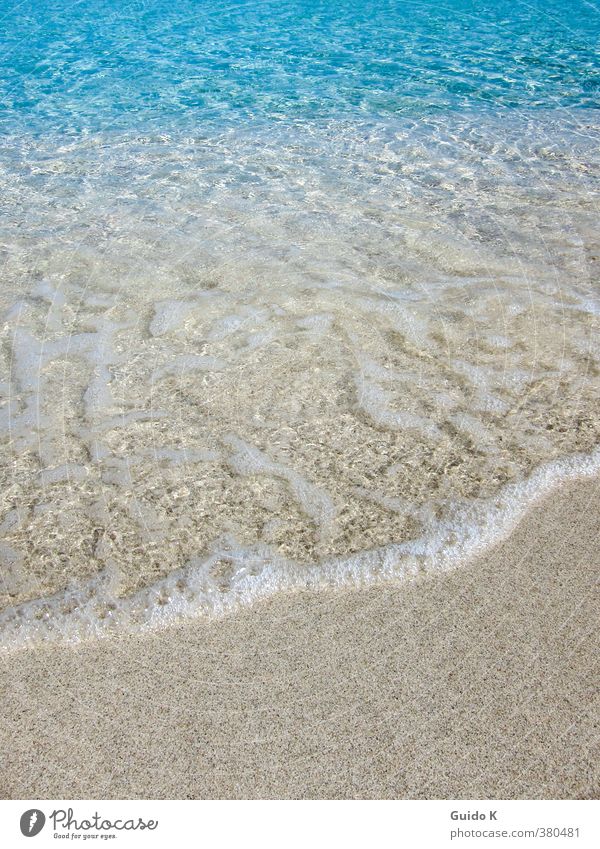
480, 683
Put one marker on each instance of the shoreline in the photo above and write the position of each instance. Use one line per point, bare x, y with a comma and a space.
481, 682
94, 610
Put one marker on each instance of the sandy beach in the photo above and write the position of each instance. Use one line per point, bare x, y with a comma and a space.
481, 683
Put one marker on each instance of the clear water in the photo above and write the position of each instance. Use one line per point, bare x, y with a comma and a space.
292, 293
154, 66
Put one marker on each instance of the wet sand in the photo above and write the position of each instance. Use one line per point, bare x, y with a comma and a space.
480, 683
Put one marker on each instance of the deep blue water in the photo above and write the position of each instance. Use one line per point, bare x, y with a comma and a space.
120, 65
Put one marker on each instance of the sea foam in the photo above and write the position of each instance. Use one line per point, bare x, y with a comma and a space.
231, 576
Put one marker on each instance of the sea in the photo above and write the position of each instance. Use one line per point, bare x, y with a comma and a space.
294, 294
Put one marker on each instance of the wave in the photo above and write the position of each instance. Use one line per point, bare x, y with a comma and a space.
93, 610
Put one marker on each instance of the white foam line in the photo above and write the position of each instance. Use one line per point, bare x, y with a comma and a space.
255, 572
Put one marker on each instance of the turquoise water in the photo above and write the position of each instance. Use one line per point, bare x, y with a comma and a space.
296, 293
112, 65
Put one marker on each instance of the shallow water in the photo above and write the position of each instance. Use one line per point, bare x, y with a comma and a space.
296, 294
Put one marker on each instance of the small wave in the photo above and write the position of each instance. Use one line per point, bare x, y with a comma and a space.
231, 576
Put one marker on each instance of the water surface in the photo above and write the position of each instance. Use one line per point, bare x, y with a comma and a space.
292, 293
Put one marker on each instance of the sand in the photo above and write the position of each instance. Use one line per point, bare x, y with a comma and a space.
481, 683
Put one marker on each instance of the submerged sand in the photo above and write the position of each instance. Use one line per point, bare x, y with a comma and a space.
336, 333
478, 683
